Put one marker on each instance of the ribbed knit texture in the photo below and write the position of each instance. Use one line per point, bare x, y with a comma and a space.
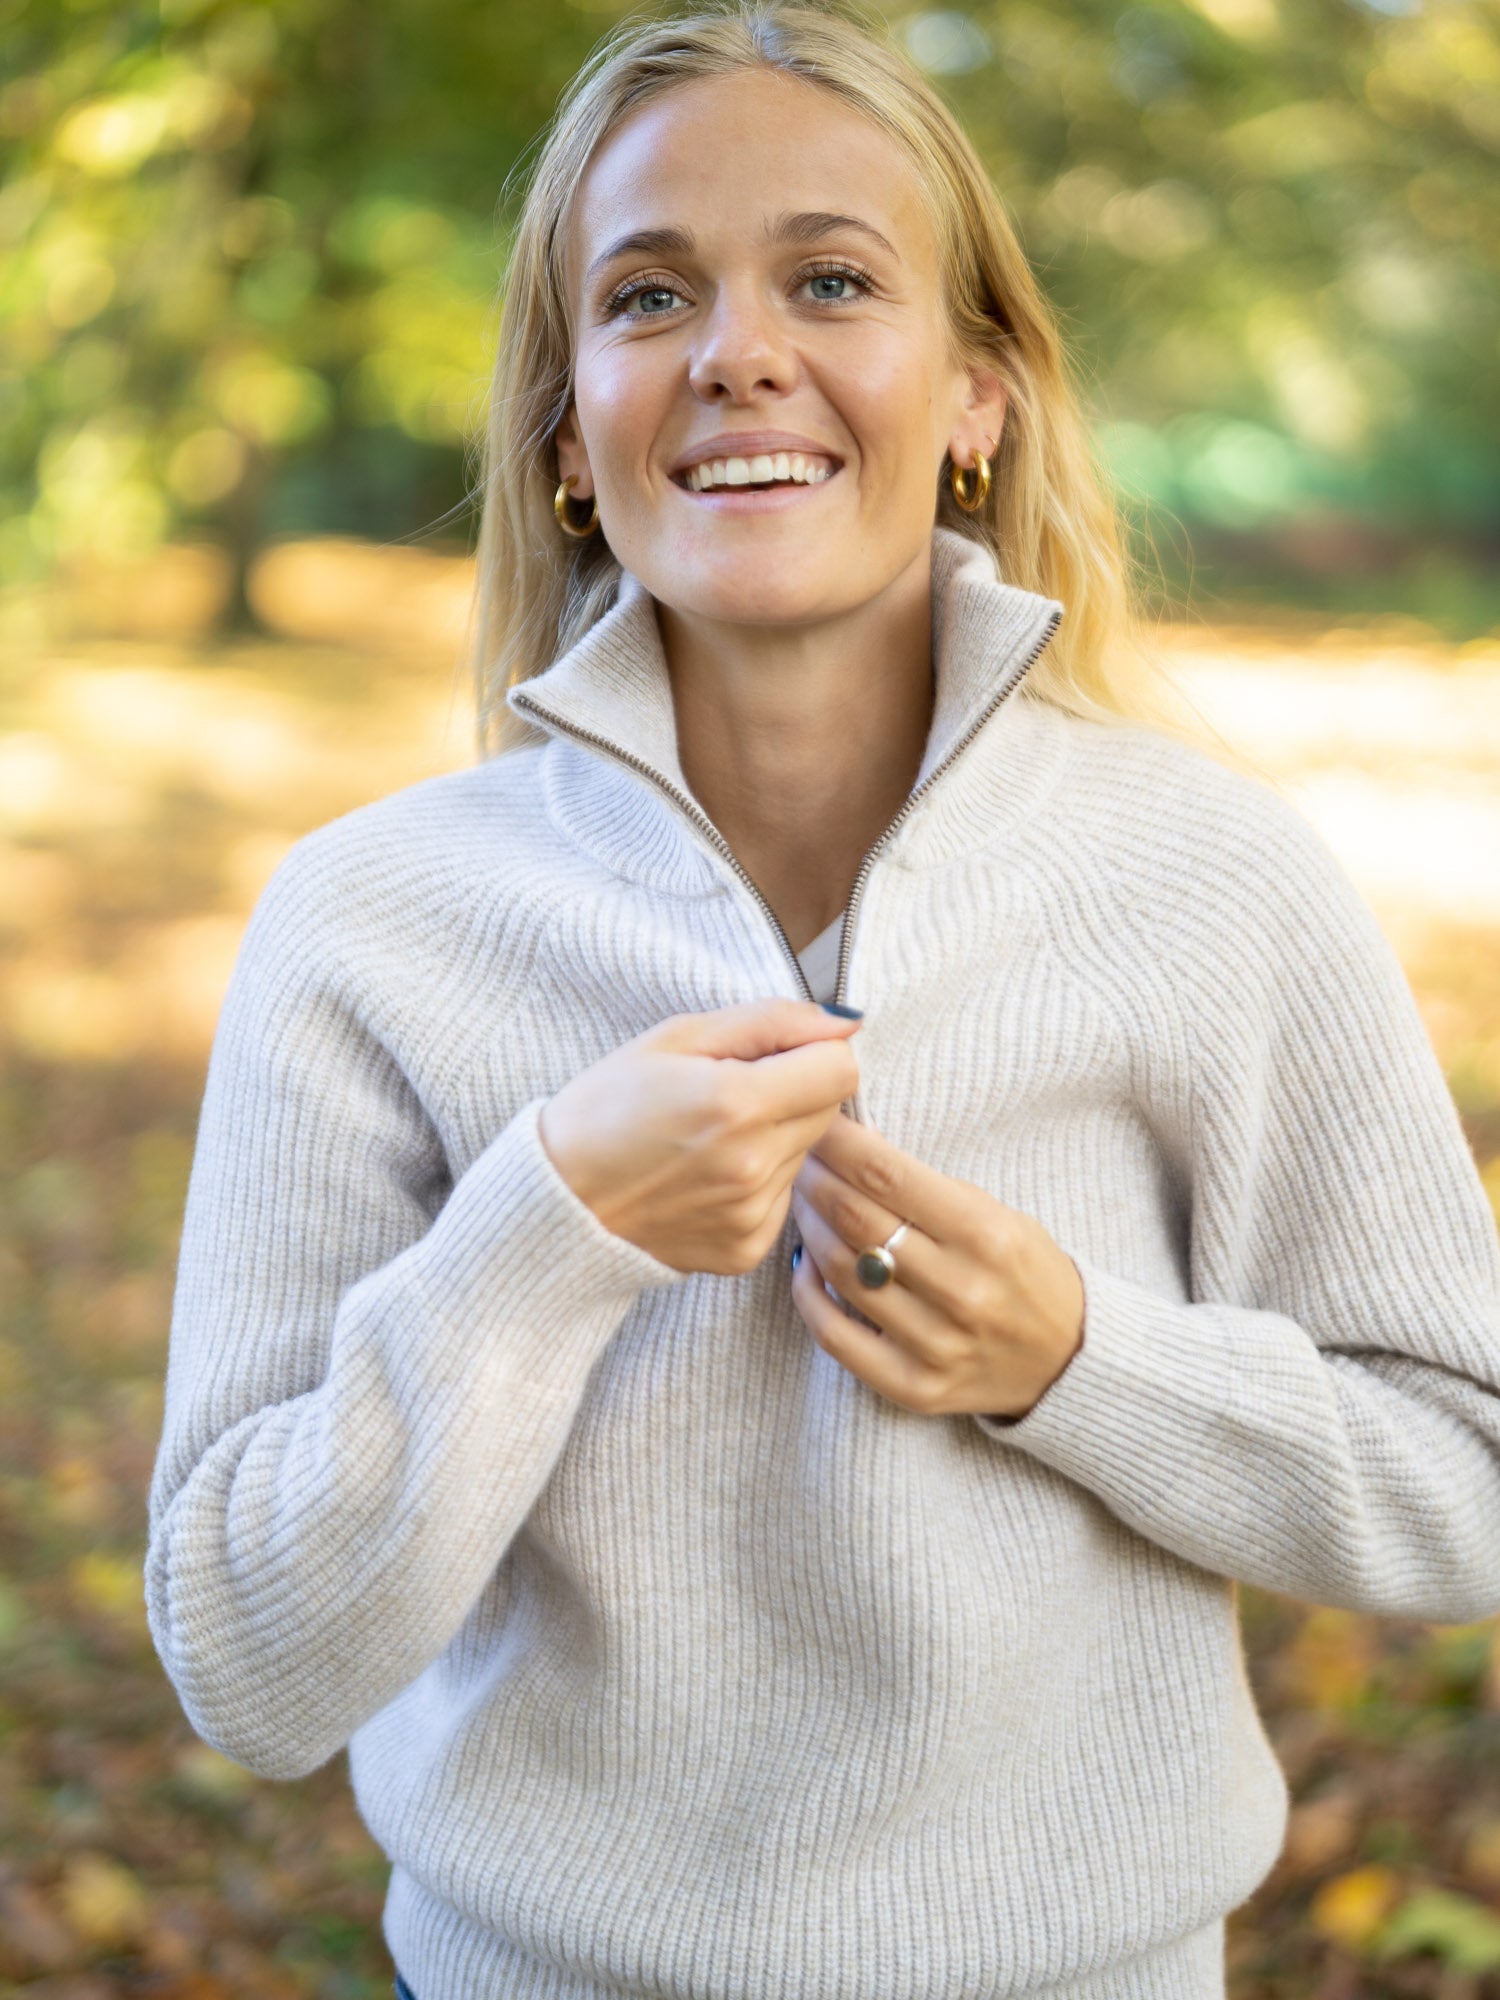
671, 1658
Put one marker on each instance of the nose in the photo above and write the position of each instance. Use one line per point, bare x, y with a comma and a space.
742, 349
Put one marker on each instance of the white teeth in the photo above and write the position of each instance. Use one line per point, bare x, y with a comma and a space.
757, 471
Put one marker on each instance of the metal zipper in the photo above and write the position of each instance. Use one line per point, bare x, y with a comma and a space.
846, 941
689, 805
711, 833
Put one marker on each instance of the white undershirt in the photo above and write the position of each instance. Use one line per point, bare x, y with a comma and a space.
820, 959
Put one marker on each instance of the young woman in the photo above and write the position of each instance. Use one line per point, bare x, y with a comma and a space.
757, 1486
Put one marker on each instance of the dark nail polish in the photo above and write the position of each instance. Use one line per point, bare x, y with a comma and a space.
796, 1256
837, 1007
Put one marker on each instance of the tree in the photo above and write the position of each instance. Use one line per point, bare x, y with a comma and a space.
249, 254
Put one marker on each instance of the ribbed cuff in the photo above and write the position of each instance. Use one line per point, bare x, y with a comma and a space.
1139, 1403
515, 1244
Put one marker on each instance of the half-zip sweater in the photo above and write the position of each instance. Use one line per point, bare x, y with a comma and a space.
672, 1660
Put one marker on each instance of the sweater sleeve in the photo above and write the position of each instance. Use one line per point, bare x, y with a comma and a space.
371, 1370
1322, 1418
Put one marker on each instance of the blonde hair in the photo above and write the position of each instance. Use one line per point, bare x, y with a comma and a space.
1050, 520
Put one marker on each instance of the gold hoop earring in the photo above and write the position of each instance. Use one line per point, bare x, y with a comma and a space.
560, 509
981, 470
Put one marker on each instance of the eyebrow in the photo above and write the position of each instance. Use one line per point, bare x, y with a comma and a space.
805, 226
809, 224
653, 242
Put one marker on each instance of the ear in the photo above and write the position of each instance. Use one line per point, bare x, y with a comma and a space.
983, 419
571, 456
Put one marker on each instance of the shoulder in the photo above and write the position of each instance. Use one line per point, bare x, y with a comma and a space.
424, 820
1162, 814
1209, 862
440, 824
402, 862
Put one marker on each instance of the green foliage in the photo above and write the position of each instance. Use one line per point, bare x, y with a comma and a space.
249, 256
236, 234
1463, 1933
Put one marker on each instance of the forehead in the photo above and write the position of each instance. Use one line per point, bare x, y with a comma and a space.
723, 155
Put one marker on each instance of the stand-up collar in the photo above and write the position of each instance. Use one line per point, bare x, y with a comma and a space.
611, 692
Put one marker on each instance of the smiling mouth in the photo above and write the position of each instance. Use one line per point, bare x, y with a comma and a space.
762, 473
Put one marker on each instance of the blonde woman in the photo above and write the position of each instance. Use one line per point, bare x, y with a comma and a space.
757, 1484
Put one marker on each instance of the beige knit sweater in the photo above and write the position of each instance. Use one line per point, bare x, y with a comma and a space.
672, 1659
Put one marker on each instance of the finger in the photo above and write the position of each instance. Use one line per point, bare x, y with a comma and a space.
795, 1137
793, 1059
751, 1029
945, 1276
922, 1329
947, 1210
856, 1217
805, 1084
781, 1177
876, 1360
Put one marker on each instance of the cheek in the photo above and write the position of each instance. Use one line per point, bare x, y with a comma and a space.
619, 395
888, 399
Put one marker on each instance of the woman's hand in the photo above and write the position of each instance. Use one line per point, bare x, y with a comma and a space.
985, 1310
685, 1140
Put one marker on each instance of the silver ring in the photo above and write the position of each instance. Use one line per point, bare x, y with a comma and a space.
875, 1268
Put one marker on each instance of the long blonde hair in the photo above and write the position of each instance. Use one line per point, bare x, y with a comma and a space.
1050, 520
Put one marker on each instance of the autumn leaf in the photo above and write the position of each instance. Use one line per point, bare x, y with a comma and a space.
1351, 1908
103, 1901
109, 1585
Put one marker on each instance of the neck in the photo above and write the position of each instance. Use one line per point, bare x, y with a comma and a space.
802, 743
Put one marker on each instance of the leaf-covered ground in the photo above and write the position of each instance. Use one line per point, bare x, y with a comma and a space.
147, 788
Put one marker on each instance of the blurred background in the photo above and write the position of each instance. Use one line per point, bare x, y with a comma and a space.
249, 269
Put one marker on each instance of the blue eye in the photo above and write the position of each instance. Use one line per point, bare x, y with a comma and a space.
651, 292
839, 273
615, 305
644, 291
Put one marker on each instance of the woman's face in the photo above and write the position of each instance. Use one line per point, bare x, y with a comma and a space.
754, 276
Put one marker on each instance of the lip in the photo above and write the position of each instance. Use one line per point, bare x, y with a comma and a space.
746, 444
755, 499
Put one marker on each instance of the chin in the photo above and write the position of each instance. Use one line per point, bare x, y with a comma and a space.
745, 590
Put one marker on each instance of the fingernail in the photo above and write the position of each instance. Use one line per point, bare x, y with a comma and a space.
837, 1007
796, 1256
